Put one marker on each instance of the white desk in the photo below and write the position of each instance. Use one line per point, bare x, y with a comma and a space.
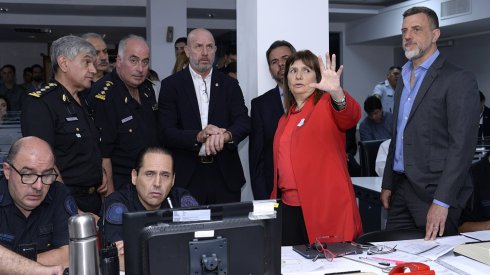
370, 183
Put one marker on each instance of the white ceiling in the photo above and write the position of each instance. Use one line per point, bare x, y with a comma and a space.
46, 20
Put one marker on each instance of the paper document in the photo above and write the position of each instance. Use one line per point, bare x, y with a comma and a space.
479, 235
411, 246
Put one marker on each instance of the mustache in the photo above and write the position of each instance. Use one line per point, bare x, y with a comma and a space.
104, 62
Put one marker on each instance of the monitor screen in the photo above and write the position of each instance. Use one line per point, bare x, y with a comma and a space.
236, 238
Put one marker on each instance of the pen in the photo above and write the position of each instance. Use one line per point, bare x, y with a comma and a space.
343, 272
383, 263
170, 202
389, 260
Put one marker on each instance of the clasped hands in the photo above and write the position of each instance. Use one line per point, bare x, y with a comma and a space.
213, 138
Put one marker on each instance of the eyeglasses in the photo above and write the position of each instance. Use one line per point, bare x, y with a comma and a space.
321, 247
46, 179
380, 249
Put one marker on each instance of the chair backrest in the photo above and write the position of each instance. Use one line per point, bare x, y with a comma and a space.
368, 150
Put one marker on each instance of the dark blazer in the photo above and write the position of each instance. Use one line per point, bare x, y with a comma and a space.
180, 122
484, 129
266, 111
440, 136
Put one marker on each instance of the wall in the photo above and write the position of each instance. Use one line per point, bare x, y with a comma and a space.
471, 53
22, 55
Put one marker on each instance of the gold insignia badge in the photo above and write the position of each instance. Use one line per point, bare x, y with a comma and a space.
100, 96
64, 98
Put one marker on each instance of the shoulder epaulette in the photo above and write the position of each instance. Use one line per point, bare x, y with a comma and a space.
102, 93
48, 88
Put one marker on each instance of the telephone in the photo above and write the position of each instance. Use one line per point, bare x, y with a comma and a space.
413, 269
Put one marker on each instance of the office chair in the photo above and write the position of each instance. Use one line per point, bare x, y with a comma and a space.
390, 235
368, 150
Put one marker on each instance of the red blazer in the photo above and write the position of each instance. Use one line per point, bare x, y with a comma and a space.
320, 167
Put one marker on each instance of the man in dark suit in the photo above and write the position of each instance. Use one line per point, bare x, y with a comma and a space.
266, 111
427, 178
203, 118
484, 127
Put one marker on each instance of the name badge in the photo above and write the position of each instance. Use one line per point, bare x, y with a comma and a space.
124, 120
71, 118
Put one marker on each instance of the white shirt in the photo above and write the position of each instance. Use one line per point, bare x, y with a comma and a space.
381, 157
203, 94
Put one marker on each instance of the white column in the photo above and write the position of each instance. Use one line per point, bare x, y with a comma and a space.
259, 23
161, 15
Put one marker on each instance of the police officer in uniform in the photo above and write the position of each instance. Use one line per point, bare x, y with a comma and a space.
58, 115
151, 189
125, 111
34, 208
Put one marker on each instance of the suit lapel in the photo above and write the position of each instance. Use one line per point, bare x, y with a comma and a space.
190, 92
429, 78
277, 104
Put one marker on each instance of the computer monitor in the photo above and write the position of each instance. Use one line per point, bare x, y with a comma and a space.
235, 238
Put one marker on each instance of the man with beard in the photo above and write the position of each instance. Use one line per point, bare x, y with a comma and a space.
125, 111
265, 112
427, 178
37, 78
57, 114
203, 118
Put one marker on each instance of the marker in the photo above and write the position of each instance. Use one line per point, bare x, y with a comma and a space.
389, 260
344, 272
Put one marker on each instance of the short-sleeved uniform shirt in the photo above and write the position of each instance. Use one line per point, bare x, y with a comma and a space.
387, 94
126, 126
46, 226
53, 115
126, 200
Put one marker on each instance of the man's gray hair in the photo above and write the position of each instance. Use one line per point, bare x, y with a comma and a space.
69, 46
92, 35
124, 42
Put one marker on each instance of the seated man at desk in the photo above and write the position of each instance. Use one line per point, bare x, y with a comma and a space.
151, 189
476, 216
34, 207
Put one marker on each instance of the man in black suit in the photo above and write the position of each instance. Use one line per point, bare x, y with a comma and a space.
203, 119
484, 127
427, 180
266, 111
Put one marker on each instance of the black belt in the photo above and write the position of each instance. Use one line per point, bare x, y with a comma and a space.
205, 159
82, 189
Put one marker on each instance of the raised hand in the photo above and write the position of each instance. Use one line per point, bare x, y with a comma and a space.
330, 82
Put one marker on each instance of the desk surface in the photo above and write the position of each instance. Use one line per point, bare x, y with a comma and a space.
371, 183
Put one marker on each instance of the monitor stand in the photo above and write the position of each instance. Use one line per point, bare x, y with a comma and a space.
208, 257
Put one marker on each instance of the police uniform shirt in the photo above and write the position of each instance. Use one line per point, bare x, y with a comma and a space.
126, 126
387, 94
46, 226
126, 200
53, 115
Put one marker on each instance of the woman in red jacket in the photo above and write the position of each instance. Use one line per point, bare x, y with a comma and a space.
310, 166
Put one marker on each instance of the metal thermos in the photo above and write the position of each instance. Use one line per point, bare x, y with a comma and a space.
84, 255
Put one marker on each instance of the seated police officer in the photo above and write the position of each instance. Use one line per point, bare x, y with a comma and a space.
34, 208
151, 189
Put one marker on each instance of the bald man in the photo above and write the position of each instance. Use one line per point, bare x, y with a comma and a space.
203, 118
34, 207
